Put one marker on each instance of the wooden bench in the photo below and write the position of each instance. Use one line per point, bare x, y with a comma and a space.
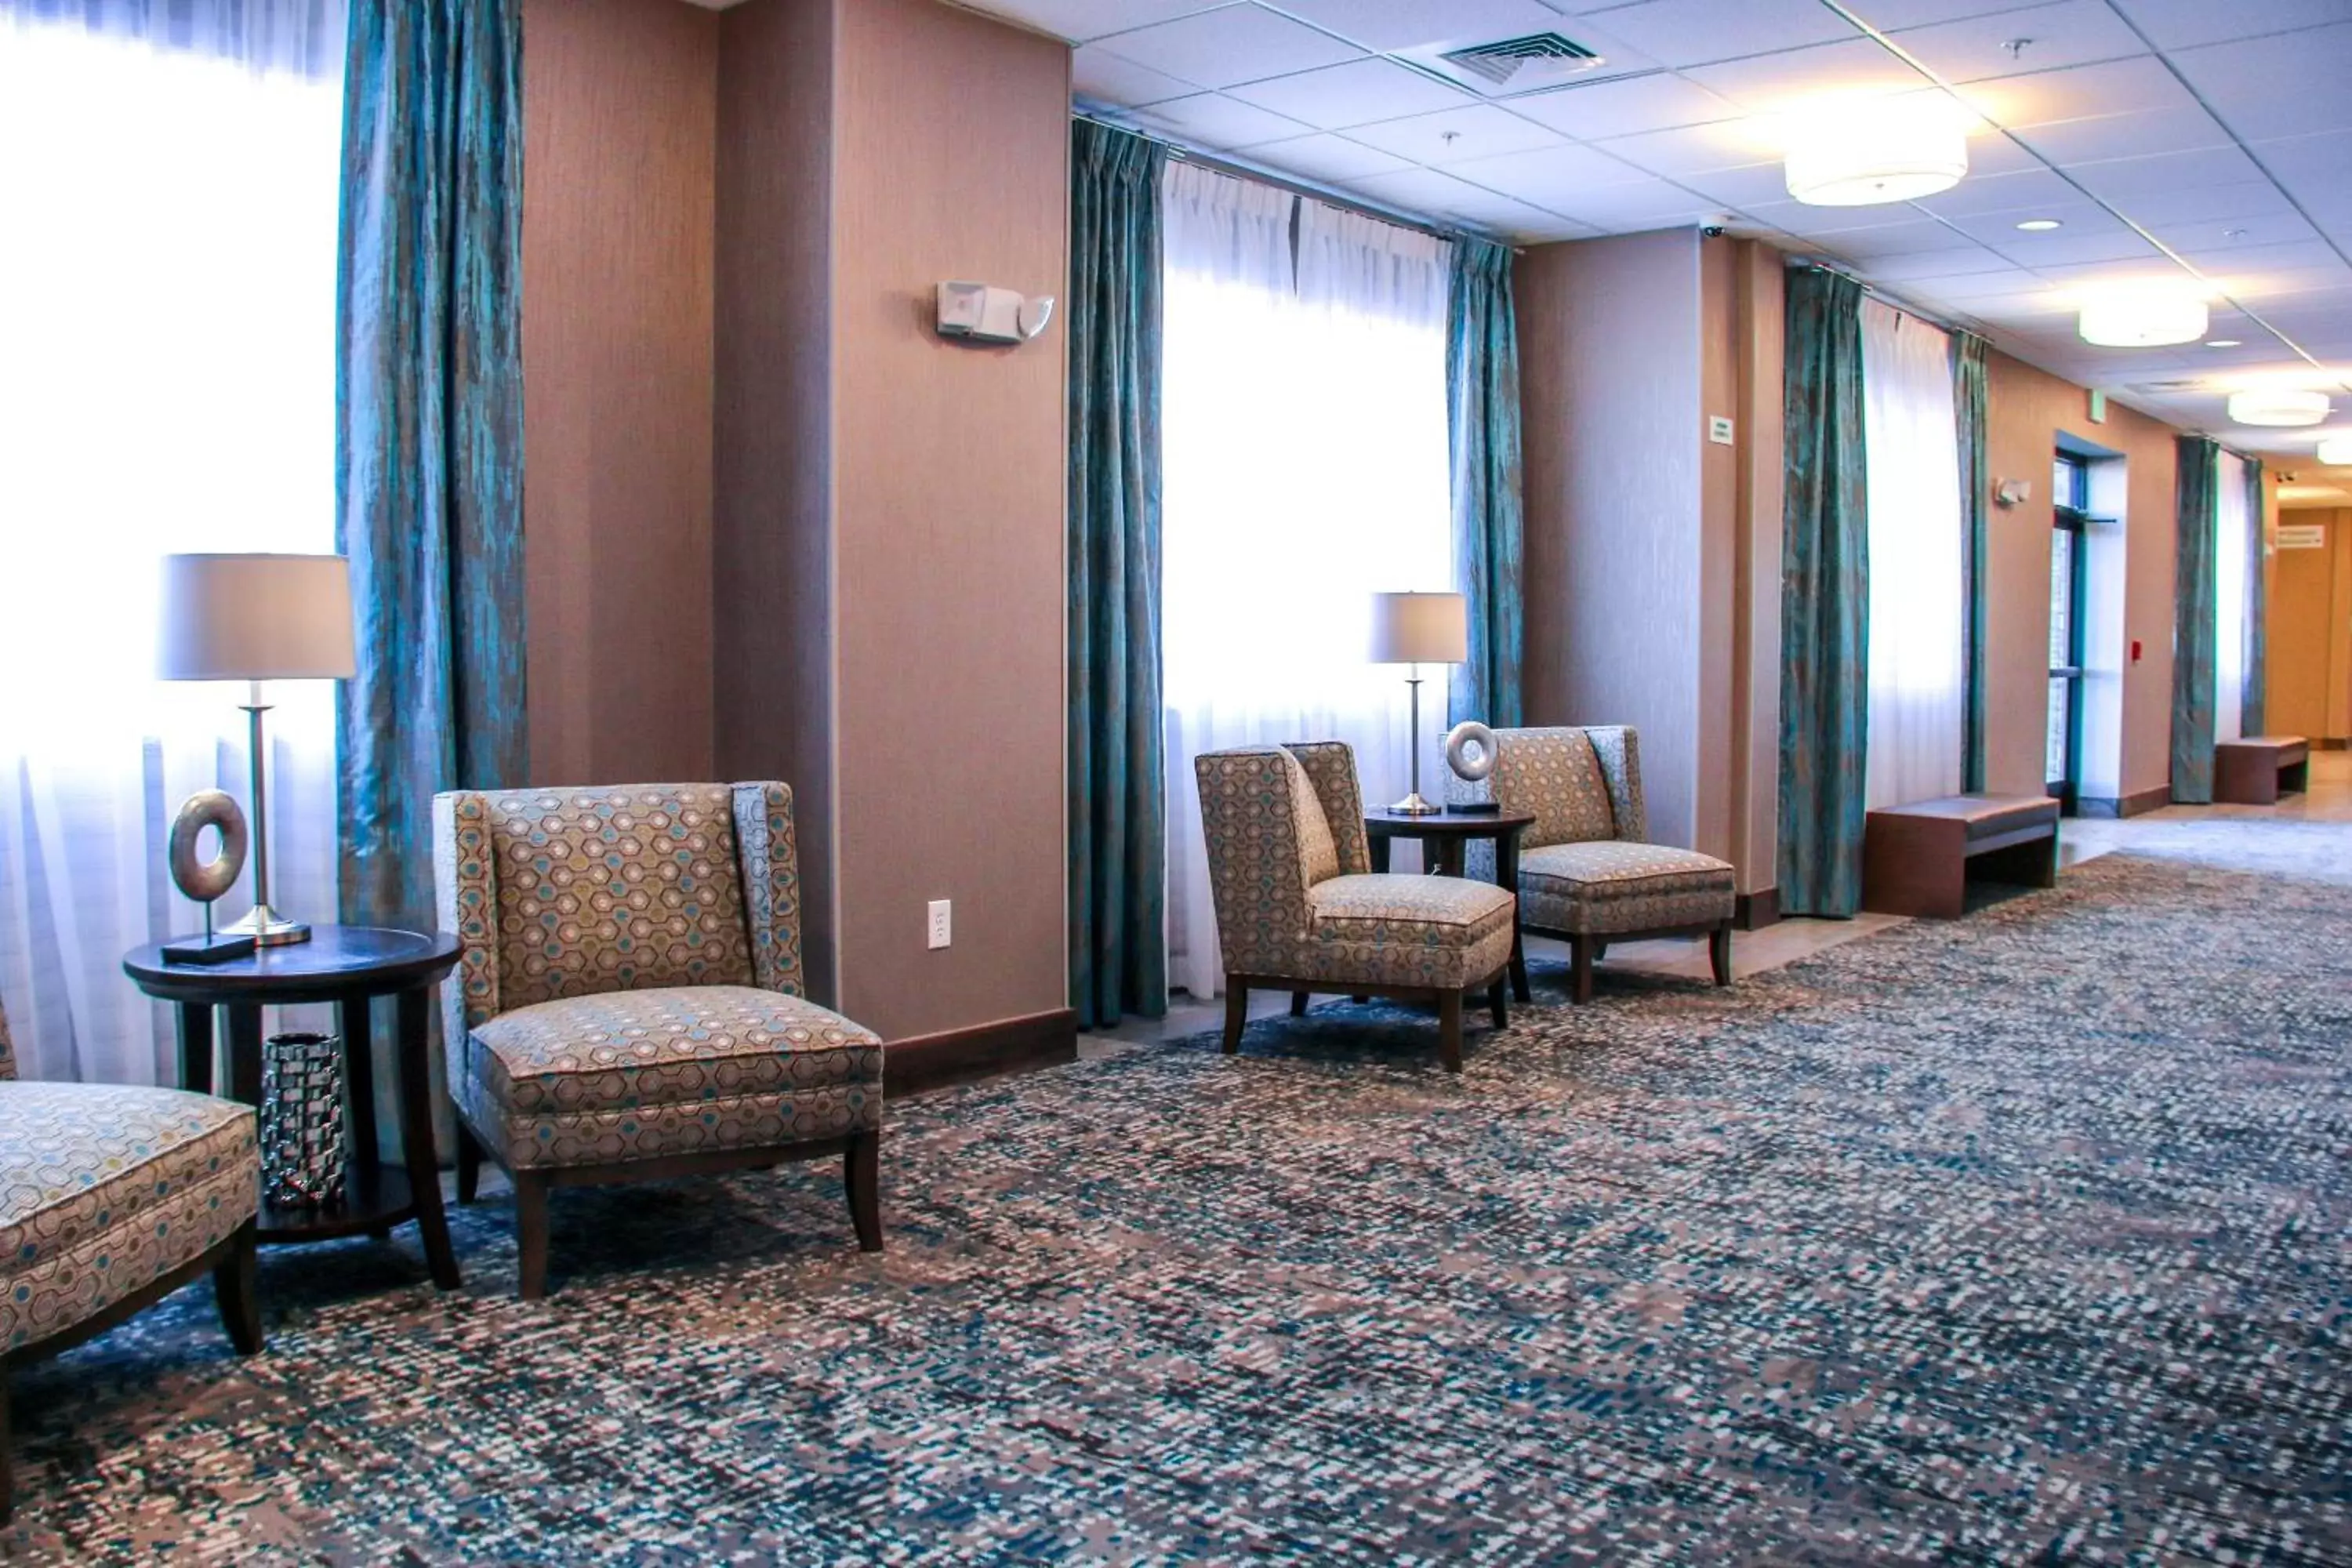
2254, 771
1915, 859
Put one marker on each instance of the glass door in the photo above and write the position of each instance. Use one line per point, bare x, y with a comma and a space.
2063, 764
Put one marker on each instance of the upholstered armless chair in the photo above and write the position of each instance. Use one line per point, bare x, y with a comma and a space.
1299, 909
1586, 876
627, 1005
112, 1197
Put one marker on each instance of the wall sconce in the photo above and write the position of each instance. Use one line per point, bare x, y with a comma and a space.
2012, 492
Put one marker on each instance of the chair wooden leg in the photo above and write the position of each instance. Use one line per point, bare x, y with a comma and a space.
1497, 1006
236, 1291
469, 1165
1449, 1029
1298, 1004
1579, 959
530, 1235
1236, 1014
7, 1476
1718, 953
861, 1175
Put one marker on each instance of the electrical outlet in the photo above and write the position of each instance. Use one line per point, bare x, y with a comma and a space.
941, 928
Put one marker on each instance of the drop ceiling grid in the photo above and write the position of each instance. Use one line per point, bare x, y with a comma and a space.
2085, 111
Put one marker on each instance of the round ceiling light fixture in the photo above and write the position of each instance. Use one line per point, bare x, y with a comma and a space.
1861, 154
2277, 406
2143, 317
2336, 451
2040, 225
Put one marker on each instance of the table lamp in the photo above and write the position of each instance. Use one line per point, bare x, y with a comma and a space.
256, 618
1417, 629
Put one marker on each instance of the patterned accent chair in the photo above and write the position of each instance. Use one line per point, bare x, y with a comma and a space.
1585, 874
1299, 909
628, 1002
111, 1197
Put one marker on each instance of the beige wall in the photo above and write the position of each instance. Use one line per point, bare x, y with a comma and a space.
619, 105
1759, 323
889, 576
2027, 409
2310, 631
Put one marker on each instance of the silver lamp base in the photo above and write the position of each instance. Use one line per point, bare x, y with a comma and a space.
267, 928
1414, 806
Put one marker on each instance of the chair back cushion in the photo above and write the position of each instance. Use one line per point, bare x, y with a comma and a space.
617, 888
1331, 766
1318, 857
1553, 775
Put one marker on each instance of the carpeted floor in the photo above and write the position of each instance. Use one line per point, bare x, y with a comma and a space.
2019, 1239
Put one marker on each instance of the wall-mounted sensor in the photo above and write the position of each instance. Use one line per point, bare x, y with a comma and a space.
2013, 492
990, 315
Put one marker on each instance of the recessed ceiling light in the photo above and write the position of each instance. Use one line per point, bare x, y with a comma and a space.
2143, 317
1861, 154
2037, 225
2277, 406
2222, 344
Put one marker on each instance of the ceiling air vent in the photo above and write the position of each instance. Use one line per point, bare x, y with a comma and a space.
1522, 65
2165, 388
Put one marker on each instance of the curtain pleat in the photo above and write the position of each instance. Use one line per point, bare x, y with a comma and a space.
1970, 403
2255, 713
429, 438
1482, 387
1824, 600
1118, 955
2193, 622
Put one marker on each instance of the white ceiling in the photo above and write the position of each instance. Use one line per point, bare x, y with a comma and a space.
2211, 138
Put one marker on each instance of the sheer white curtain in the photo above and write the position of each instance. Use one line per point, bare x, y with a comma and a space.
167, 313
2229, 565
1913, 466
1304, 469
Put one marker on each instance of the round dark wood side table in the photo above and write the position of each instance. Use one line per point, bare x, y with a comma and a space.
1443, 837
349, 967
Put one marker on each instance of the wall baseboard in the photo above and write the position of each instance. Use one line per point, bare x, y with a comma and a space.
927, 1062
2331, 743
1754, 912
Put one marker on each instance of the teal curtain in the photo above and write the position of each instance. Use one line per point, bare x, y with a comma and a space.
1482, 396
428, 455
2256, 719
1968, 398
1824, 600
1118, 813
2197, 489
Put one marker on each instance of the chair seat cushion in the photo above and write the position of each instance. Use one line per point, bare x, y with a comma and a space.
675, 1046
1607, 886
106, 1188
1442, 932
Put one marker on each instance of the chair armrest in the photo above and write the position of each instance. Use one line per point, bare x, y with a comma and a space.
769, 863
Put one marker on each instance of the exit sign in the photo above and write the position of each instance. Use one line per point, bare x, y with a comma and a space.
2302, 536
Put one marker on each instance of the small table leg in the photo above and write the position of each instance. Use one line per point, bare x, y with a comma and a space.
355, 1018
195, 1020
1379, 849
244, 1053
417, 1137
1507, 877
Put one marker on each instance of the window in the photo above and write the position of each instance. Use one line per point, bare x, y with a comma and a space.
167, 341
1305, 467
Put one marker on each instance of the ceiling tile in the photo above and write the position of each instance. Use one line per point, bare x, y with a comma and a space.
2218, 236
1781, 81
1553, 176
1742, 187
1213, 121
2079, 92
1357, 93
2071, 33
2108, 136
1697, 148
1952, 261
2259, 272
1891, 240
2078, 218
1386, 25
1618, 210
1697, 32
1625, 107
1237, 44
2181, 24
2312, 168
1079, 20
2043, 250
1456, 135
1893, 15
2125, 180
2028, 188
2288, 84
1096, 73
1428, 190
1803, 217
1325, 157
2212, 206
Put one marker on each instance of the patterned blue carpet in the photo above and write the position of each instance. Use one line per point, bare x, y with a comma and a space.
2020, 1240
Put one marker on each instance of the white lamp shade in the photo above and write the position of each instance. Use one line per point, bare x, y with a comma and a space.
256, 618
2336, 451
2277, 406
2143, 318
1420, 629
1863, 154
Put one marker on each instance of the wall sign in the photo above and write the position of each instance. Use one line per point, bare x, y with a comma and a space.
2302, 536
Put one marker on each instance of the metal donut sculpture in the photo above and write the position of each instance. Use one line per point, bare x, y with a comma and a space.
206, 881
1470, 750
